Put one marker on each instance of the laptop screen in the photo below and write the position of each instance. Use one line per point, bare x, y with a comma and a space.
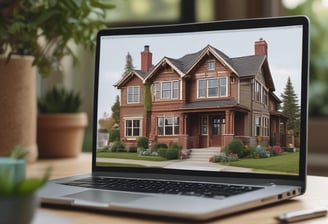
219, 97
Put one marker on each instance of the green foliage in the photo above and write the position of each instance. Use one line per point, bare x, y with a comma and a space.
290, 106
172, 153
43, 28
236, 147
224, 158
114, 135
128, 64
116, 110
118, 147
142, 142
158, 145
148, 100
59, 100
8, 187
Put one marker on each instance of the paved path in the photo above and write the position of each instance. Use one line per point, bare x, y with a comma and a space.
179, 164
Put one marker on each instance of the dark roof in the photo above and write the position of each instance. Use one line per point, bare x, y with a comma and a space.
248, 65
243, 66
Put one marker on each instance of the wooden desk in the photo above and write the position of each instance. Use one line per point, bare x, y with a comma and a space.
316, 196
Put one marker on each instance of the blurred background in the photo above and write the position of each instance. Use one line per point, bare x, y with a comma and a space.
154, 12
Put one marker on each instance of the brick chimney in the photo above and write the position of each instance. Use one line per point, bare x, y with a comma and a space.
261, 47
146, 59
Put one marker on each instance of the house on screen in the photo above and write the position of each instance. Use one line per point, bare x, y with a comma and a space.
203, 99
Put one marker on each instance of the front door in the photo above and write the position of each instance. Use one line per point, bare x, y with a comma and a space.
217, 130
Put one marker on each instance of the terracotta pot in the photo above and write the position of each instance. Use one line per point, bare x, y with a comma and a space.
18, 105
61, 135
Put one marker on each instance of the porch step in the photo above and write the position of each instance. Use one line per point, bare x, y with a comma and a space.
203, 154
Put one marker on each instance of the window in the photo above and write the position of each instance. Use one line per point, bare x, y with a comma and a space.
261, 126
203, 125
211, 65
257, 91
257, 126
157, 90
212, 87
265, 128
223, 87
133, 94
201, 88
132, 128
264, 96
175, 90
167, 126
166, 90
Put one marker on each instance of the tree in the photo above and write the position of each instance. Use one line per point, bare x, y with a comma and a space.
290, 106
116, 110
128, 64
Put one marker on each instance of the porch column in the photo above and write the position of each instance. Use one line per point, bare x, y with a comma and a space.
230, 122
229, 127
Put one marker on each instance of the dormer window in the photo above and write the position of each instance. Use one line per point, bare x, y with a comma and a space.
211, 65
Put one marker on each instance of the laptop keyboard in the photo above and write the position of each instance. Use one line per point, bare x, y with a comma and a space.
210, 190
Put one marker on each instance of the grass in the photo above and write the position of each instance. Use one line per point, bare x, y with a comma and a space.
285, 163
128, 155
118, 164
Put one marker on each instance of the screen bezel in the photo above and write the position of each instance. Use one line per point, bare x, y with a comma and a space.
221, 25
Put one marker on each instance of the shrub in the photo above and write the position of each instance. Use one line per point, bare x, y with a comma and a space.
261, 153
236, 147
158, 145
276, 150
162, 152
142, 142
223, 157
118, 147
172, 154
114, 135
132, 149
174, 146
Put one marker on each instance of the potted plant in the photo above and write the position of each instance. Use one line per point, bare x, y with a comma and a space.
18, 199
60, 126
35, 35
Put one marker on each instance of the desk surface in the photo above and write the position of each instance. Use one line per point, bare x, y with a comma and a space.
316, 196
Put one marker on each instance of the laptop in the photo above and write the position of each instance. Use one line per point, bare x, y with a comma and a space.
211, 119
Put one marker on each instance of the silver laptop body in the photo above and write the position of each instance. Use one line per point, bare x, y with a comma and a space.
196, 88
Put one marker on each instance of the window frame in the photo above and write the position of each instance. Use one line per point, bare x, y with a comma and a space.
164, 126
133, 94
133, 128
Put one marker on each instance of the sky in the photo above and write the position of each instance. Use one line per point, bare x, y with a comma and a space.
284, 54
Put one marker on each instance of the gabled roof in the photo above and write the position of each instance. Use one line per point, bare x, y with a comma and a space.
246, 66
141, 75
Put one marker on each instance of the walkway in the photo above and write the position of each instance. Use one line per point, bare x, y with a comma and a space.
199, 160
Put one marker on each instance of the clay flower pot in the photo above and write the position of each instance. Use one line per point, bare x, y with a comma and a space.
60, 134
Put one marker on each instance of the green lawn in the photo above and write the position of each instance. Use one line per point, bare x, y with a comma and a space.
285, 163
128, 155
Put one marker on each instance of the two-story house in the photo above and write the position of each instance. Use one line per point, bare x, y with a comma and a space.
202, 99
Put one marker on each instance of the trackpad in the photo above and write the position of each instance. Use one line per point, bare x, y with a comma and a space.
106, 197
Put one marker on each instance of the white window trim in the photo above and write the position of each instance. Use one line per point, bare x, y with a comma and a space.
160, 84
173, 126
140, 128
127, 95
208, 63
218, 87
